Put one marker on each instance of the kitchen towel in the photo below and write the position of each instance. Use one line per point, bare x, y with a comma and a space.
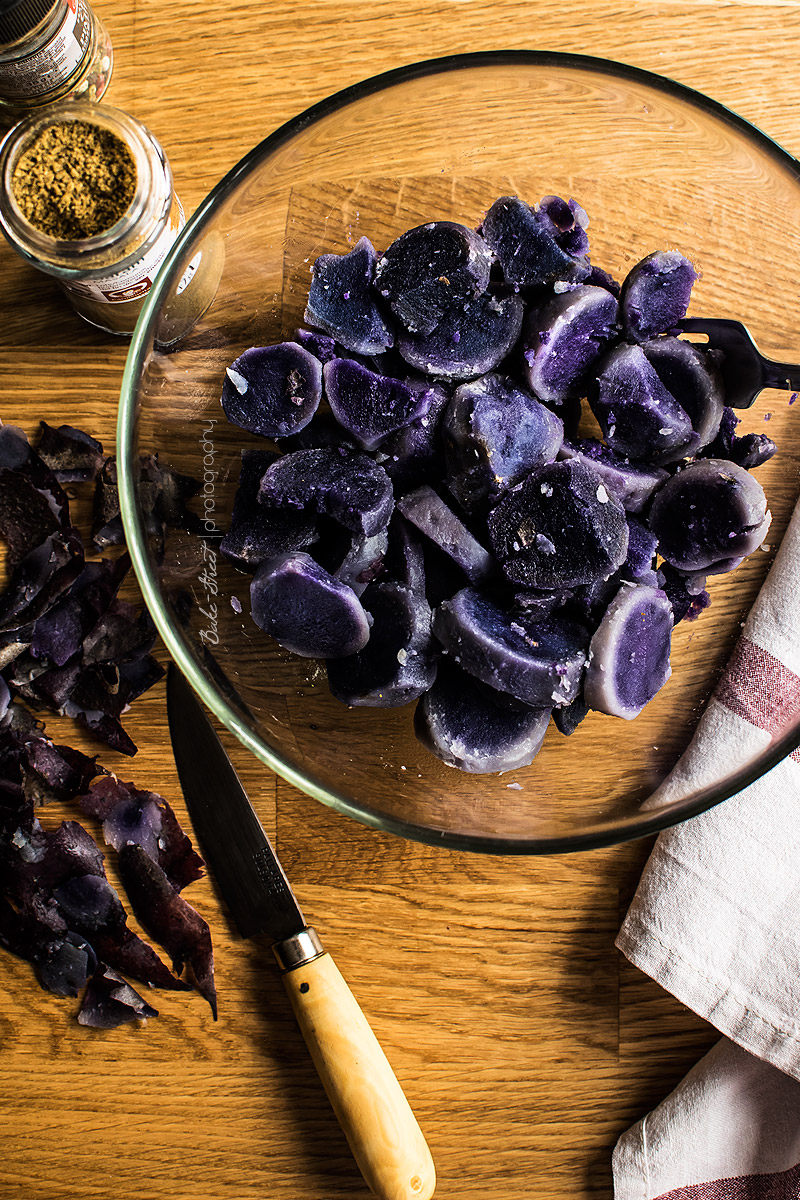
716, 921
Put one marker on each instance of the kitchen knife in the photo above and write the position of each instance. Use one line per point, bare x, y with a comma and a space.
383, 1133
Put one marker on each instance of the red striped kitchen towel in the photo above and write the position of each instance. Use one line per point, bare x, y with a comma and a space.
716, 921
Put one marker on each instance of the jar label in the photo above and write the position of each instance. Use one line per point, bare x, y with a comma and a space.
52, 64
135, 281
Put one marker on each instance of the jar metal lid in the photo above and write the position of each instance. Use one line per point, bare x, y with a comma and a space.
18, 17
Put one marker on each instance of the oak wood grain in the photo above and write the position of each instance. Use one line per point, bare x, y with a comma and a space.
524, 1043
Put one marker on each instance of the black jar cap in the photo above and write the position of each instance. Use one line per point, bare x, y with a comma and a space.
18, 17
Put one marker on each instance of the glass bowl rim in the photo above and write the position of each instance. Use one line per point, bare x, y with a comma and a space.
629, 829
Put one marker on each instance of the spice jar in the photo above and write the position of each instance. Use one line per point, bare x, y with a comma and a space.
86, 196
50, 50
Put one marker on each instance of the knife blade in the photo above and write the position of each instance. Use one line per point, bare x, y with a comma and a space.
383, 1133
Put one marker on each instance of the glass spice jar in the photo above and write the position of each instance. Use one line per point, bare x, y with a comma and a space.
86, 196
50, 50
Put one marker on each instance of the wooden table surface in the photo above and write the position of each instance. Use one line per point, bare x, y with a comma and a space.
525, 1043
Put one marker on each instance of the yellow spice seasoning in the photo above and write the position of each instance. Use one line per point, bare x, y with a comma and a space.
86, 196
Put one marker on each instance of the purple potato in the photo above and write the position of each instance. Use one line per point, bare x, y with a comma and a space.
405, 558
429, 269
398, 663
363, 562
272, 391
255, 532
341, 302
559, 528
639, 417
691, 375
339, 483
655, 294
458, 722
306, 610
413, 455
320, 345
468, 341
429, 513
566, 221
748, 451
370, 406
632, 483
324, 432
567, 719
642, 547
708, 516
686, 592
539, 662
564, 339
537, 246
629, 652
266, 534
494, 433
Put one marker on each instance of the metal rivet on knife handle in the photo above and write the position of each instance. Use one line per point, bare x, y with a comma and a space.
386, 1141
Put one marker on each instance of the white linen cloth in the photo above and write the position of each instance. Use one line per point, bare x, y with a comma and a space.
716, 921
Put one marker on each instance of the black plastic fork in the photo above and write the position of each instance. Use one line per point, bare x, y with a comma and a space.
745, 370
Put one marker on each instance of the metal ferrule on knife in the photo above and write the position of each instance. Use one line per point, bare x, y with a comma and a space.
298, 949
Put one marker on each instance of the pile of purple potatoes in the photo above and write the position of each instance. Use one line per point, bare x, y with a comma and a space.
427, 519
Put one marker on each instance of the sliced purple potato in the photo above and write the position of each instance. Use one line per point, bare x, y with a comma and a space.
597, 277
272, 391
639, 416
458, 722
370, 406
708, 516
413, 455
255, 532
691, 375
306, 610
429, 269
686, 592
398, 663
266, 534
469, 339
539, 662
565, 338
632, 483
642, 547
494, 433
322, 433
750, 450
656, 293
346, 485
629, 652
319, 344
430, 515
363, 560
567, 221
559, 528
405, 557
340, 300
568, 718
537, 246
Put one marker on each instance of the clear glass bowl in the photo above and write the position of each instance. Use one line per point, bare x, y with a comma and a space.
656, 166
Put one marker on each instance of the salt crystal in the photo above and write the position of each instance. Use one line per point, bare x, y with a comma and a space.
238, 381
514, 787
602, 494
402, 656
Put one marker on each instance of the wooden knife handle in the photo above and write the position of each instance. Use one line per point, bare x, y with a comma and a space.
383, 1133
